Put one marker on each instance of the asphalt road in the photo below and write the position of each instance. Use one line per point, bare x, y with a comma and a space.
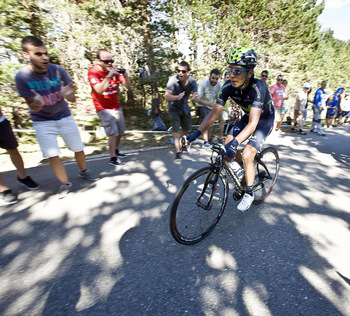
106, 248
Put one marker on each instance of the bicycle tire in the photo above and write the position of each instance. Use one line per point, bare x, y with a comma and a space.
265, 180
190, 222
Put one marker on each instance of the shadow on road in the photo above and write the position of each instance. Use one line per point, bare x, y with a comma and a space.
106, 248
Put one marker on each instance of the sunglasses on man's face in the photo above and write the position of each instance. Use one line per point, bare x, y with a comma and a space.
236, 71
279, 79
107, 61
181, 70
263, 76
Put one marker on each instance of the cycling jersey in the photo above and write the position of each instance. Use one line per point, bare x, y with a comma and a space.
256, 95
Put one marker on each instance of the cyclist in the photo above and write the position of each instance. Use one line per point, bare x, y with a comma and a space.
253, 96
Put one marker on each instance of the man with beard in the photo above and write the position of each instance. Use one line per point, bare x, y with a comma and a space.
46, 87
208, 92
104, 80
178, 90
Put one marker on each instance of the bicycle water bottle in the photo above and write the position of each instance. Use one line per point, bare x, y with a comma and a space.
235, 166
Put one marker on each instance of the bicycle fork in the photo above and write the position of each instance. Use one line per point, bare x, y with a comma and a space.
211, 180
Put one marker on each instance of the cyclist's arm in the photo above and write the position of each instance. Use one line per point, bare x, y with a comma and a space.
210, 118
254, 117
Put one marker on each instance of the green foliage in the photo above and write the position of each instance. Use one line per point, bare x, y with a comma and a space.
158, 34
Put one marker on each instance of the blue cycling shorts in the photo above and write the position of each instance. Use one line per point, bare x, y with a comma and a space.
263, 129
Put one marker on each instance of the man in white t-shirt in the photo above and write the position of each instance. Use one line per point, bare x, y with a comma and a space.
208, 92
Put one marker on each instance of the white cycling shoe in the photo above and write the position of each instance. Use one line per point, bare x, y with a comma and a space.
246, 202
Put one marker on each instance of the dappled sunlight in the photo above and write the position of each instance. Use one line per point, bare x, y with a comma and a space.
155, 212
323, 283
95, 289
111, 232
324, 233
254, 300
210, 296
297, 199
46, 263
219, 259
272, 216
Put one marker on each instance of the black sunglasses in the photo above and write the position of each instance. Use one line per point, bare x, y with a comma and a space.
183, 71
107, 61
264, 76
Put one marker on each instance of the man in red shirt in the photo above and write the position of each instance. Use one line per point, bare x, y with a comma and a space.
104, 80
277, 91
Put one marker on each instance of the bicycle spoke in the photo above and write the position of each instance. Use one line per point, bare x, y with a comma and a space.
199, 207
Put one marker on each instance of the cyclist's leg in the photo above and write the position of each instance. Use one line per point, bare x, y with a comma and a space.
237, 128
262, 130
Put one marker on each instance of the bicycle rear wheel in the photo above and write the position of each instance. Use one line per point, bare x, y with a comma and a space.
198, 206
267, 164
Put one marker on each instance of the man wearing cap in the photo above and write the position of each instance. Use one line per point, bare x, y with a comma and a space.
300, 110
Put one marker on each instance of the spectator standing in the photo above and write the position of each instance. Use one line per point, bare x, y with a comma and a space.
300, 109
330, 115
104, 80
223, 116
286, 96
46, 87
178, 90
264, 76
346, 108
317, 107
337, 101
276, 92
208, 92
9, 142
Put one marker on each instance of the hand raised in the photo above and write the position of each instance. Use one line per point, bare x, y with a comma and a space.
181, 95
113, 72
38, 100
68, 91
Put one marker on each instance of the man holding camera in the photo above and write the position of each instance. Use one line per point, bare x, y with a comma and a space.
104, 80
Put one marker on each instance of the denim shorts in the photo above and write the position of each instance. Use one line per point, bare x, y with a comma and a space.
47, 132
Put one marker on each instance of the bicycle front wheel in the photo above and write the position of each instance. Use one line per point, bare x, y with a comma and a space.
198, 206
267, 164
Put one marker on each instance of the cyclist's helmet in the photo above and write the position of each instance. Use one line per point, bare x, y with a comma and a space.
243, 56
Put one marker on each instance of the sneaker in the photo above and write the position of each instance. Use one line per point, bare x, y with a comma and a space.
87, 175
312, 131
119, 154
63, 190
28, 182
321, 134
301, 132
115, 162
246, 202
8, 197
178, 155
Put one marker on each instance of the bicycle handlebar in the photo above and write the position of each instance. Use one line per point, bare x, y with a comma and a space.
217, 147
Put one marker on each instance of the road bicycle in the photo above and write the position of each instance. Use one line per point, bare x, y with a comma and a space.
201, 200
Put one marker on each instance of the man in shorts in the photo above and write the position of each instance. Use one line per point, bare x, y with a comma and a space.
277, 92
208, 90
178, 90
9, 142
253, 96
104, 80
300, 109
46, 87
